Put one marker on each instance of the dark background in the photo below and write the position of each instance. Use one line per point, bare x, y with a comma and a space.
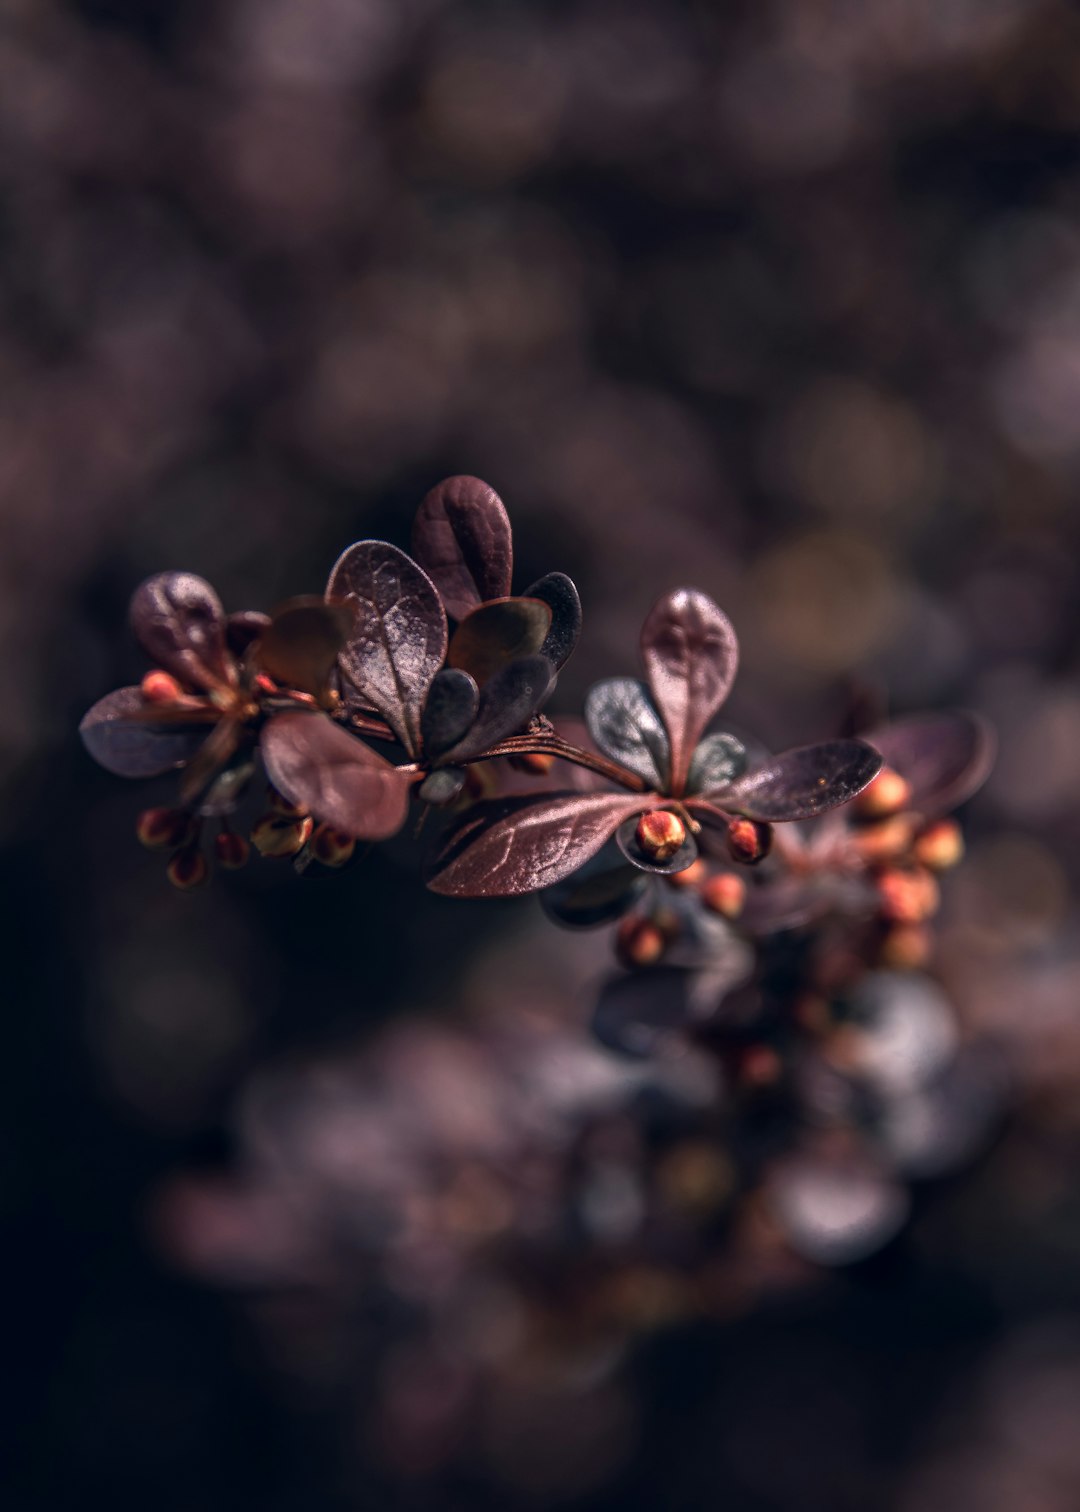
779, 299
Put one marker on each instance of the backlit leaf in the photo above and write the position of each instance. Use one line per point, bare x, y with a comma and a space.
491, 637
399, 641
118, 737
462, 539
178, 620
519, 845
803, 783
623, 721
320, 767
299, 647
691, 655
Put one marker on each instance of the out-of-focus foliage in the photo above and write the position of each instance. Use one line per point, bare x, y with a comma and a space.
783, 294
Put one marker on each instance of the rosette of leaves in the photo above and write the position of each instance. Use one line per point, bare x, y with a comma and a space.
660, 750
225, 687
445, 693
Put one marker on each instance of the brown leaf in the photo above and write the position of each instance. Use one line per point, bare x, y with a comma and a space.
320, 767
462, 539
691, 655
495, 634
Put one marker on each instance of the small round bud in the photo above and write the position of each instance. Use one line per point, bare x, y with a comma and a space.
536, 763
724, 894
160, 688
748, 841
759, 1066
883, 839
333, 847
164, 828
660, 833
272, 836
691, 876
887, 794
188, 869
231, 851
282, 807
907, 897
940, 846
905, 947
640, 942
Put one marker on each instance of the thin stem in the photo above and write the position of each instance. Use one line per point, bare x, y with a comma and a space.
554, 745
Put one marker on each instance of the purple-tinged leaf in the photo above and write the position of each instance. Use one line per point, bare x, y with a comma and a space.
450, 709
244, 628
512, 846
559, 593
118, 737
507, 703
491, 637
803, 783
320, 767
300, 645
718, 760
399, 642
945, 758
623, 721
691, 655
178, 620
626, 839
462, 539
602, 890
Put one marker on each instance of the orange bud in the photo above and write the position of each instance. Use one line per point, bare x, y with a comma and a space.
640, 942
748, 841
164, 828
231, 851
282, 807
188, 869
160, 688
691, 876
940, 845
724, 894
906, 947
907, 897
272, 836
883, 839
333, 847
536, 763
887, 794
660, 834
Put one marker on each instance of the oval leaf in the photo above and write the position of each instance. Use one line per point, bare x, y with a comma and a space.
450, 710
691, 655
462, 539
646, 1012
399, 642
320, 767
602, 890
803, 783
507, 703
300, 645
626, 839
718, 760
178, 620
944, 757
558, 592
519, 845
624, 723
116, 734
491, 637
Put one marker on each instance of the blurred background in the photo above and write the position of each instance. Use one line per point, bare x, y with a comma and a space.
779, 299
